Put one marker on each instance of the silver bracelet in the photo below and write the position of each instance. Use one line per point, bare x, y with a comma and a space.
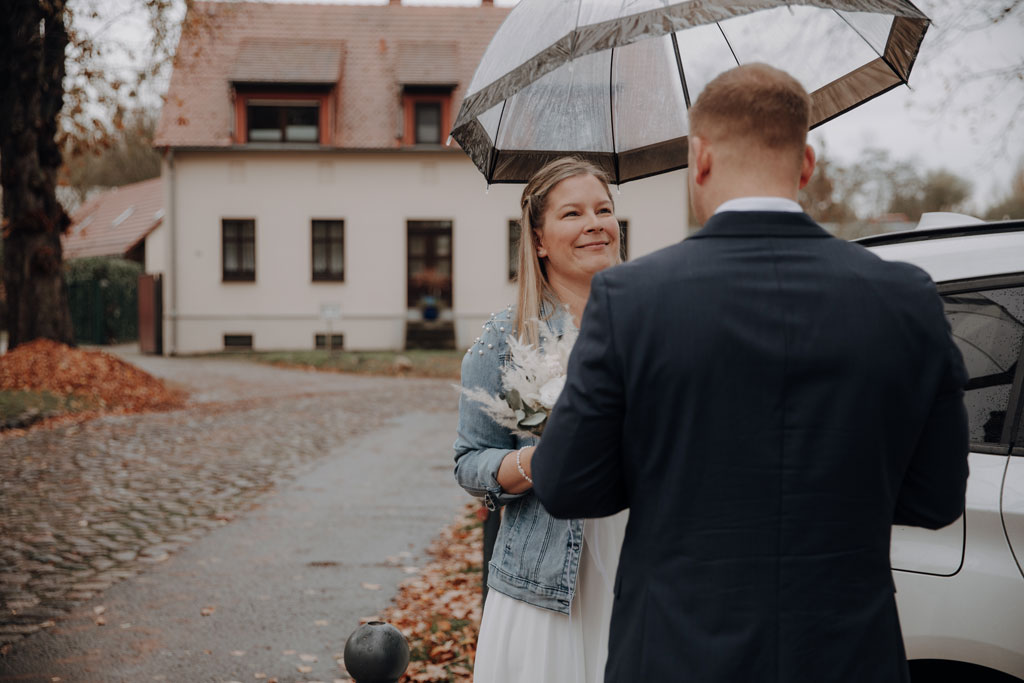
519, 465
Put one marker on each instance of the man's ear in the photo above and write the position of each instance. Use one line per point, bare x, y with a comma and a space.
700, 148
807, 166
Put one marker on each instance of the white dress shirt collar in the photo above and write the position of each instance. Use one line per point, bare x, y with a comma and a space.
760, 204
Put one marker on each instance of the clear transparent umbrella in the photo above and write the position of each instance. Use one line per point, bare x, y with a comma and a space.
611, 80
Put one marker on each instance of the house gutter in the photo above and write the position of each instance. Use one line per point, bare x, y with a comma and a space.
172, 226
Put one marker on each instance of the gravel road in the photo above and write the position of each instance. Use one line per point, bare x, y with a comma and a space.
241, 537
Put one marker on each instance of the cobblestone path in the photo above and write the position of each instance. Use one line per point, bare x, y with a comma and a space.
84, 506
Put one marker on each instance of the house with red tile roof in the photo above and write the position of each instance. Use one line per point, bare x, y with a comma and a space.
309, 189
116, 222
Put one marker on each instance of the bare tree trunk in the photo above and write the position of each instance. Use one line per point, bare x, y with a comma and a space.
33, 40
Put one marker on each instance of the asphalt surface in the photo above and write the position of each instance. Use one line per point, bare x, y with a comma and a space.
240, 539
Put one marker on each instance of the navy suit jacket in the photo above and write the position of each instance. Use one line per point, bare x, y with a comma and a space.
768, 401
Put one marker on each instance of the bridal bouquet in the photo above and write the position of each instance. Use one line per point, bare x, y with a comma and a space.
531, 383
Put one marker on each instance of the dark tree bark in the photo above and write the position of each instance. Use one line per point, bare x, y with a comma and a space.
33, 41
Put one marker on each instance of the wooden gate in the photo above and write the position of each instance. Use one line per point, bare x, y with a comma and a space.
151, 314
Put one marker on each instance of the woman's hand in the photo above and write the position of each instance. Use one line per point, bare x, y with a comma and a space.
510, 478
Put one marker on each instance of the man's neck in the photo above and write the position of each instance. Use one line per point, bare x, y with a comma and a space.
784, 204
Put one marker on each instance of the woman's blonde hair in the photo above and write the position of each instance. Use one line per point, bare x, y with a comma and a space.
532, 284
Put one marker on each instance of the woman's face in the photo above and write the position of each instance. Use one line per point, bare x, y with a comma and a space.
580, 235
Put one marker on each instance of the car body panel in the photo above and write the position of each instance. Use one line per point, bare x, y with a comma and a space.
972, 612
938, 552
1013, 509
976, 615
961, 258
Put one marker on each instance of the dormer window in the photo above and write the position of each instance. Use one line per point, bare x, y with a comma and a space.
428, 73
284, 116
283, 90
427, 112
427, 122
268, 120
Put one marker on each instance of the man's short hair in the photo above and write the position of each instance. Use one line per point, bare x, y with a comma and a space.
754, 103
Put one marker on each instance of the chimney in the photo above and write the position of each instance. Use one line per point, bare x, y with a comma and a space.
394, 2
487, 3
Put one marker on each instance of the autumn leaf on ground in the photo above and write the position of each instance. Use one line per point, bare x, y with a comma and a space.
438, 611
207, 611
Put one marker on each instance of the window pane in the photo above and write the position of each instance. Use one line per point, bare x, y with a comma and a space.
264, 123
624, 240
428, 122
416, 265
417, 245
319, 258
248, 257
319, 230
302, 124
514, 232
988, 327
231, 257
443, 245
337, 258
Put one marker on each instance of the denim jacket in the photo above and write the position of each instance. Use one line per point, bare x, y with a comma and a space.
536, 557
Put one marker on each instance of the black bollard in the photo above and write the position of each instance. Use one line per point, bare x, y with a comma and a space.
376, 652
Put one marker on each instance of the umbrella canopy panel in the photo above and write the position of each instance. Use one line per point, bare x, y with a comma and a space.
616, 89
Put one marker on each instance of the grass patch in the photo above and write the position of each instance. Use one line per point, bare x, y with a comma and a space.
21, 408
413, 363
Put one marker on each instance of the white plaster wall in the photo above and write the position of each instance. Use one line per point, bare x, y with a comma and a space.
375, 194
156, 250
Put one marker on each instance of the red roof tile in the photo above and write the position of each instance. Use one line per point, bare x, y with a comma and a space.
283, 60
113, 222
380, 45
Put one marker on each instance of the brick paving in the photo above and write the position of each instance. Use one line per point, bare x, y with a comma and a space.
83, 506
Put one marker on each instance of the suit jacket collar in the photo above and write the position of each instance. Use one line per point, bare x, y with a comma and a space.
760, 224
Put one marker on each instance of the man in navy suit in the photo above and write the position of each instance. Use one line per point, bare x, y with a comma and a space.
767, 401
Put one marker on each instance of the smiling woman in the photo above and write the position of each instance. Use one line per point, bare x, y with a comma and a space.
579, 237
566, 204
547, 617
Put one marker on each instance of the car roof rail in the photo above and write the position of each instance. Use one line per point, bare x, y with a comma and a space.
923, 234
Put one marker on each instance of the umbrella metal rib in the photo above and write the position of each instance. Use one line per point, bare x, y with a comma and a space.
679, 66
735, 58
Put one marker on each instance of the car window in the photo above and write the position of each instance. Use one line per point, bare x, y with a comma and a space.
988, 327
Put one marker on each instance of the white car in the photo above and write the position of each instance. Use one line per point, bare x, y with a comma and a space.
960, 590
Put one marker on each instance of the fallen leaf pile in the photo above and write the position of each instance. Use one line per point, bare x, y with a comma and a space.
439, 610
111, 383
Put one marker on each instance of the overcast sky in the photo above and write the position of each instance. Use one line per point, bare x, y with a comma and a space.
951, 117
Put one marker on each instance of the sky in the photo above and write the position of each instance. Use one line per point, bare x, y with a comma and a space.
952, 116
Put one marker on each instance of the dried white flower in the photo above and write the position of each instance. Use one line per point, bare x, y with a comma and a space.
532, 382
551, 390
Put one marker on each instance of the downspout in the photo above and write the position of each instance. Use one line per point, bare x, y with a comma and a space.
172, 225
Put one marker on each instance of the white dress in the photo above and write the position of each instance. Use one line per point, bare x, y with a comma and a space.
520, 643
